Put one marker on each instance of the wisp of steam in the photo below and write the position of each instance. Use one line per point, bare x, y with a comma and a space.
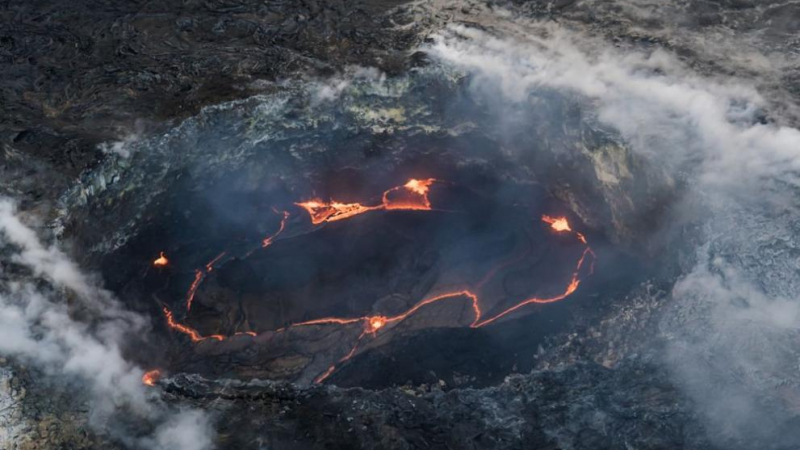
729, 334
37, 328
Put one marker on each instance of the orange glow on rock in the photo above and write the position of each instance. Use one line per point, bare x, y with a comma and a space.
412, 196
161, 261
200, 274
198, 277
193, 334
270, 239
559, 224
150, 378
419, 186
375, 323
332, 211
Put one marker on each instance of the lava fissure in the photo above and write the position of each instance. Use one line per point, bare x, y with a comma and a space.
210, 265
329, 371
193, 334
412, 196
198, 278
200, 274
270, 239
416, 190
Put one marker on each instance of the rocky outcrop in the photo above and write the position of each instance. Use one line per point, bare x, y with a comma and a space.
584, 406
78, 74
38, 415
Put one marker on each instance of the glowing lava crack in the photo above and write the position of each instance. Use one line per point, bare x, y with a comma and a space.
411, 196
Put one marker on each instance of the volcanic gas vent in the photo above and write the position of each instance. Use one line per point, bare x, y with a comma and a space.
333, 281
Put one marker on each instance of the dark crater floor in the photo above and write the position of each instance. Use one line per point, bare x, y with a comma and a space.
483, 234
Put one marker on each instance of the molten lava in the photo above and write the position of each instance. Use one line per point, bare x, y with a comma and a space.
151, 377
213, 262
329, 371
411, 196
332, 211
198, 278
193, 334
161, 261
324, 375
375, 323
557, 223
270, 239
200, 274
421, 187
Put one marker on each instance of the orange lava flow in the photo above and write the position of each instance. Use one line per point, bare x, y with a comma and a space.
270, 239
327, 321
375, 323
324, 375
161, 261
321, 212
329, 371
571, 287
421, 187
210, 265
200, 274
150, 378
193, 334
198, 278
557, 223
411, 196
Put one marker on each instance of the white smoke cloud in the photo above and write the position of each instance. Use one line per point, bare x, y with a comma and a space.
36, 326
48, 262
660, 107
187, 430
332, 88
733, 315
122, 147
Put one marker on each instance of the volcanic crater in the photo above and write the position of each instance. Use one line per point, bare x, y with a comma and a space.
359, 243
450, 280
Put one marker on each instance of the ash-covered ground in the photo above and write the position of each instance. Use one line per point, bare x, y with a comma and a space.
388, 224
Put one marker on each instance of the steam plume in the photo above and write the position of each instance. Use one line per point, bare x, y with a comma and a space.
36, 327
734, 313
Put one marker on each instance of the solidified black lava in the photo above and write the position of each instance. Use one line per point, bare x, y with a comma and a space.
131, 128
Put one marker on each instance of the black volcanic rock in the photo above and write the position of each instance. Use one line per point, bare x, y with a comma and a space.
584, 406
75, 74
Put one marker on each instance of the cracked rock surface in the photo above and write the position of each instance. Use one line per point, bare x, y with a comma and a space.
82, 81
